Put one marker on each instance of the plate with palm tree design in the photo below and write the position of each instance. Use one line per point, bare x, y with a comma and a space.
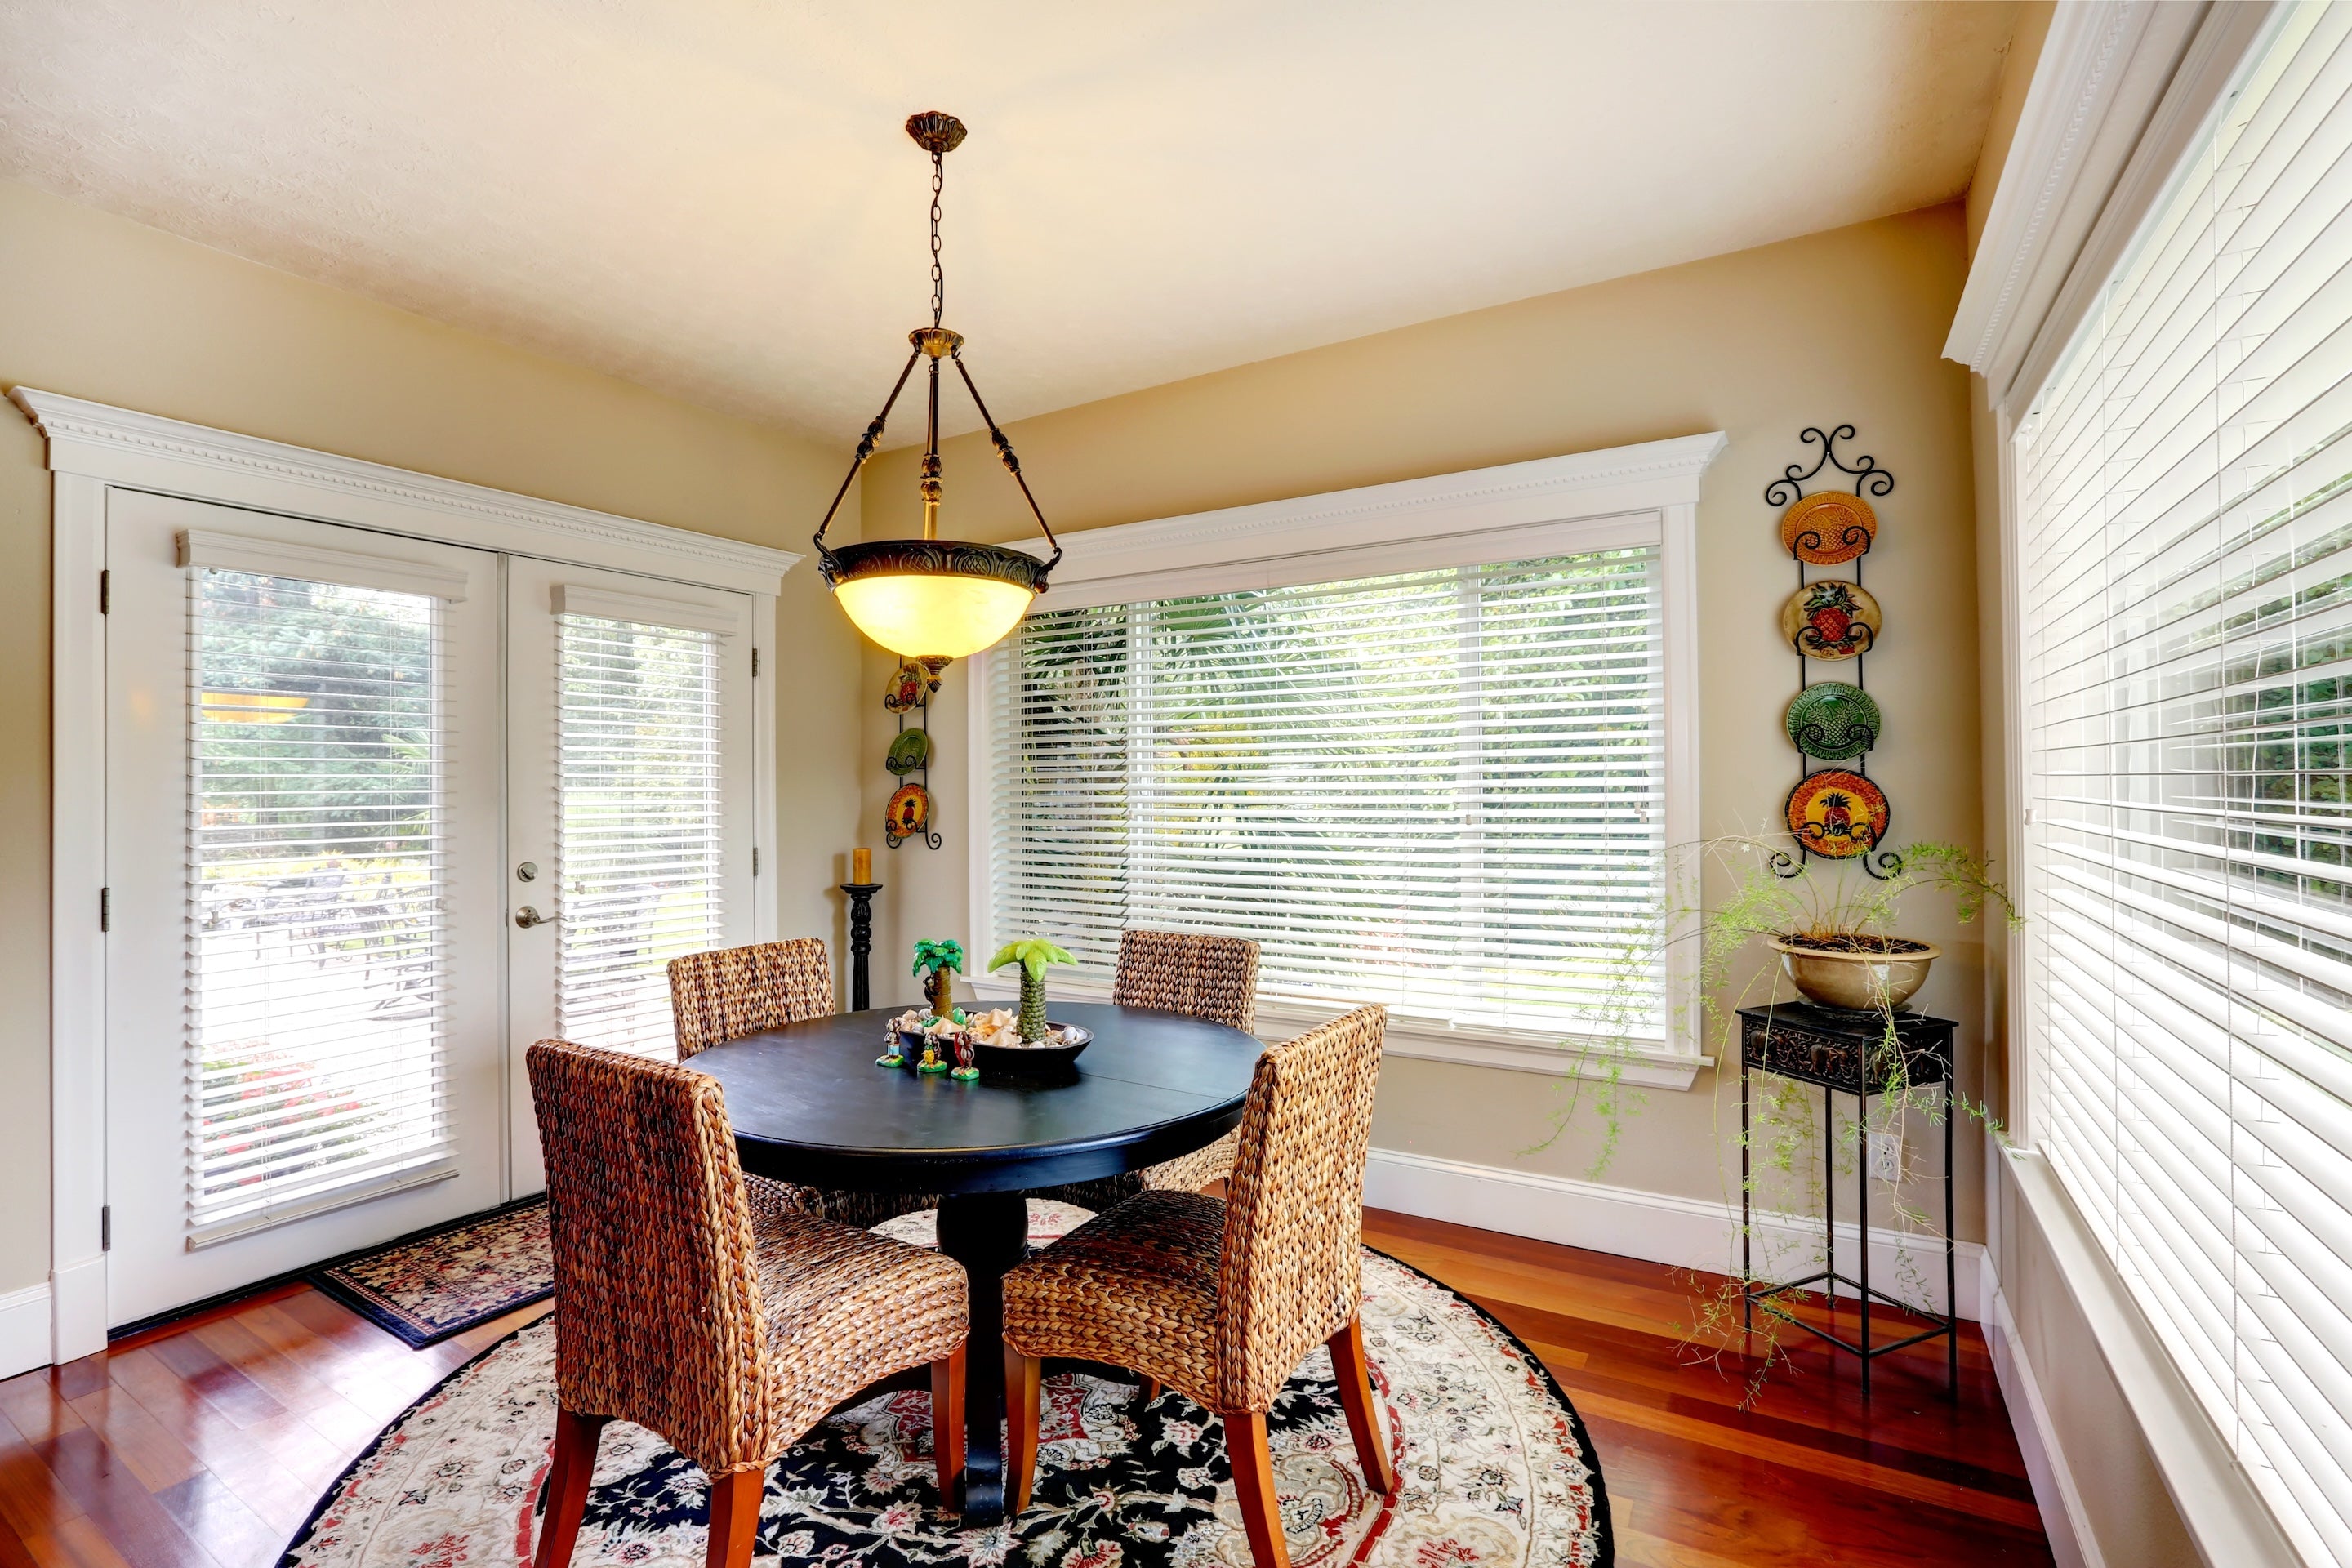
1839, 813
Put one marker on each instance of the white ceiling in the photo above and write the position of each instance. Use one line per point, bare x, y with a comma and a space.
714, 197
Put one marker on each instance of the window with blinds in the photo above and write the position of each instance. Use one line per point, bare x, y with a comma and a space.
317, 954
2185, 560
1442, 790
637, 824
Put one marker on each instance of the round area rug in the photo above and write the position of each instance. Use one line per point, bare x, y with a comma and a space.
1493, 1467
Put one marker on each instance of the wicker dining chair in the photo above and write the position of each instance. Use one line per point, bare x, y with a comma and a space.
695, 1305
1223, 1299
1212, 977
735, 991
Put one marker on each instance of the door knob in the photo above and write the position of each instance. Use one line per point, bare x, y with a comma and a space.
527, 917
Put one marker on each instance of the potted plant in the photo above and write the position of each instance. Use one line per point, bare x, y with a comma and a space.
937, 962
1835, 932
1033, 954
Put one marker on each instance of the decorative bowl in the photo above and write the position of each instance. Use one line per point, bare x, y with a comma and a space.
1057, 1060
1859, 981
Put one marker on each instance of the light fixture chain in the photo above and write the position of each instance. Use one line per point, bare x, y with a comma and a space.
939, 275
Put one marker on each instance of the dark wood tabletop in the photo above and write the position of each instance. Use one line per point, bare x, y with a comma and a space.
809, 1104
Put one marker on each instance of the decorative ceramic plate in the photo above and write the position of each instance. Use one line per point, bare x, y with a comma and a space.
1828, 527
910, 751
1832, 719
909, 809
908, 684
1838, 814
1831, 620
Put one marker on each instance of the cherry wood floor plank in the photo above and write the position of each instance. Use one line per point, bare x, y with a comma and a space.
157, 1457
211, 1511
114, 1499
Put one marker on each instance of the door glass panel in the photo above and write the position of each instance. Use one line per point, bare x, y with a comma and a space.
318, 947
638, 840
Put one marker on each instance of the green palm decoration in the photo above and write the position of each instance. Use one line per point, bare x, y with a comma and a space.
939, 963
1034, 956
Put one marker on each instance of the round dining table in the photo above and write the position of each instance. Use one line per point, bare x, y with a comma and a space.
810, 1105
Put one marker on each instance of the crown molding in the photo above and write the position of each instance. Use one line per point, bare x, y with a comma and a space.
145, 451
2121, 89
1598, 500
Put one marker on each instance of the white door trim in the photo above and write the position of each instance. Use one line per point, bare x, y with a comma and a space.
93, 447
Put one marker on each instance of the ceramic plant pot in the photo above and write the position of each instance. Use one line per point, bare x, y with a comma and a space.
1860, 979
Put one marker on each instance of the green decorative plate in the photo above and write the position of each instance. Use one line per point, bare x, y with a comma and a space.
910, 751
1832, 720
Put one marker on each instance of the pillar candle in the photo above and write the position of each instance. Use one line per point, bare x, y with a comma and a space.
861, 866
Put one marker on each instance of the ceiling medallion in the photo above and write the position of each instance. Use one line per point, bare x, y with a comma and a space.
933, 599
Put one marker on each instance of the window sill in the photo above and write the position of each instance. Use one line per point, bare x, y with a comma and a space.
1645, 1066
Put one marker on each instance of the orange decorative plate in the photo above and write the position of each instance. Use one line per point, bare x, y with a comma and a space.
1838, 814
909, 809
1828, 527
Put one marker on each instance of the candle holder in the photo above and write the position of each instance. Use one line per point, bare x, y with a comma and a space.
861, 941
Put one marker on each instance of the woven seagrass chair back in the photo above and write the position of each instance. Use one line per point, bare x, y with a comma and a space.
1211, 977
738, 991
1290, 1270
658, 1303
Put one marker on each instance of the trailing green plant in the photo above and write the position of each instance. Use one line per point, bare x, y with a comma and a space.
1789, 1163
1033, 954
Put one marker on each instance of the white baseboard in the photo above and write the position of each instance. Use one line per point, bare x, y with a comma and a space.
78, 1303
1658, 1228
2072, 1544
24, 1330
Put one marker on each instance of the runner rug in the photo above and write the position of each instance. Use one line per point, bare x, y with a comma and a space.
1492, 1468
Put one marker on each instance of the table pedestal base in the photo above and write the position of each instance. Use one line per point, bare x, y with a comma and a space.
988, 1233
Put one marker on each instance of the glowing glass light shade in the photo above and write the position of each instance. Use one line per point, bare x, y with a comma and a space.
921, 616
933, 598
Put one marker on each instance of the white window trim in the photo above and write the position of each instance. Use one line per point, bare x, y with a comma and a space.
93, 447
1620, 496
2121, 88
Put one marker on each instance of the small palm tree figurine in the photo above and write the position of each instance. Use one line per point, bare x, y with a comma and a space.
937, 963
1034, 956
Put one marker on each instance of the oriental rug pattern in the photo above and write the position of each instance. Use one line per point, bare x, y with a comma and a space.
1493, 1467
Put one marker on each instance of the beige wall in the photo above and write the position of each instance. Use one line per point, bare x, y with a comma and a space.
98, 307
1846, 325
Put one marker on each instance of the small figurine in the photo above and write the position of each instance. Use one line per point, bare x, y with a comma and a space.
964, 1071
894, 1053
932, 1061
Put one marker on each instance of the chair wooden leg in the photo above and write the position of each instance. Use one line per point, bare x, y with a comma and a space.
734, 1518
1150, 1390
1354, 1374
1253, 1486
1020, 1395
946, 1422
567, 1486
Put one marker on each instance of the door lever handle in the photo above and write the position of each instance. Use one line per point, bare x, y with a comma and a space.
528, 917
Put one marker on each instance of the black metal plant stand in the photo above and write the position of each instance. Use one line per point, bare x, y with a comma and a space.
1845, 1053
861, 941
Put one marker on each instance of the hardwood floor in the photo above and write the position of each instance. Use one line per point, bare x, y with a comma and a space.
206, 1442
1808, 1475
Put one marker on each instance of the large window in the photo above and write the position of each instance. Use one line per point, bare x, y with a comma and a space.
1442, 790
2186, 572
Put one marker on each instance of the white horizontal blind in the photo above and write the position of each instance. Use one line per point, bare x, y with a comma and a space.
2186, 561
1442, 790
317, 950
637, 824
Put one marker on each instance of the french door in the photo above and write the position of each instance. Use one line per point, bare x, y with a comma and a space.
630, 810
381, 812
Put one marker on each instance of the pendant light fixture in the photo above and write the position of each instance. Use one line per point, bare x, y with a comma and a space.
933, 599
